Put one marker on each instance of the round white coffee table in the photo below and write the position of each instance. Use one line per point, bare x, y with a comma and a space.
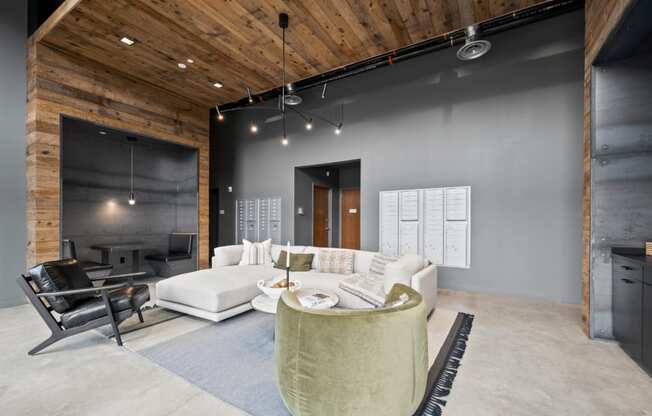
267, 304
264, 303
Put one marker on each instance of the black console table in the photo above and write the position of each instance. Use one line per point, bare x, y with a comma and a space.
632, 304
134, 248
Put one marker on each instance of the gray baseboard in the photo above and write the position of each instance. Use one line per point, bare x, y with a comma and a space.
8, 303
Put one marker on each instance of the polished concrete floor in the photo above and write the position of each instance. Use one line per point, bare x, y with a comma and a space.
524, 358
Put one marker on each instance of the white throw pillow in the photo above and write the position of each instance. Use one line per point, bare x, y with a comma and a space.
336, 261
402, 270
256, 253
227, 256
379, 263
267, 251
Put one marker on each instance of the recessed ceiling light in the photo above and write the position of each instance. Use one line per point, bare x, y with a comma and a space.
218, 85
127, 41
102, 132
181, 65
190, 61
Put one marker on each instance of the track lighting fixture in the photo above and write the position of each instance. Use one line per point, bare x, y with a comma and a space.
220, 116
338, 129
285, 141
253, 128
323, 91
309, 124
251, 100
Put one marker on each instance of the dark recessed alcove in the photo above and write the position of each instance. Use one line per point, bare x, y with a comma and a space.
621, 154
95, 187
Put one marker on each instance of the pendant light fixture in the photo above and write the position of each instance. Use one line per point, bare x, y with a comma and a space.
132, 196
283, 22
288, 100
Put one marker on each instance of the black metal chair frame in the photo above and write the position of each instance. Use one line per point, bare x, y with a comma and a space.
58, 331
167, 257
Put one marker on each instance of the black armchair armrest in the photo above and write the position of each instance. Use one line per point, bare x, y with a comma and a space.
128, 276
124, 276
79, 291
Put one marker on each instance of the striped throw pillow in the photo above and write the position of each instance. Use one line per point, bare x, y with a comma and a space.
256, 253
379, 262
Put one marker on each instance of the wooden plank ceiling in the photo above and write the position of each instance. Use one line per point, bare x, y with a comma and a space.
238, 42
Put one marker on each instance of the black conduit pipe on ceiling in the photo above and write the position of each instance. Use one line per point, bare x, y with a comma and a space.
489, 27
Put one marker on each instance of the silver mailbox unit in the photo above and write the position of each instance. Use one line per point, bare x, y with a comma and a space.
258, 219
435, 223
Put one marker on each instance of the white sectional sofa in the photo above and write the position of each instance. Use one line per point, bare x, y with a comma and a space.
227, 288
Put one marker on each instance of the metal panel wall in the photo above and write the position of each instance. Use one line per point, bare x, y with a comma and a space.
621, 174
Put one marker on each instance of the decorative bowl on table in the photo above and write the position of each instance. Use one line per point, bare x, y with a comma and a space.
274, 287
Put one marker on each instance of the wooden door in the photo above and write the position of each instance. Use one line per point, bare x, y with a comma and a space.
320, 216
350, 218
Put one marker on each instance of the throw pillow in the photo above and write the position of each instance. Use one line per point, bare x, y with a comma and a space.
299, 262
402, 270
336, 261
368, 286
379, 262
256, 253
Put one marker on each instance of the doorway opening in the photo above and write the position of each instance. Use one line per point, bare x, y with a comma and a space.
327, 205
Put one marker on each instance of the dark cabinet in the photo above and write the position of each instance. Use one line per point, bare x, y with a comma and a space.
627, 304
646, 349
632, 306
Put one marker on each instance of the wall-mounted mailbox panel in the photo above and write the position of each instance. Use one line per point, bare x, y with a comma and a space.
435, 223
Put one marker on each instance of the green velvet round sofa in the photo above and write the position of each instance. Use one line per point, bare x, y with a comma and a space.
353, 361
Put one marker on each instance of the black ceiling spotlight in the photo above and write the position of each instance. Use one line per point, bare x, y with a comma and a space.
287, 100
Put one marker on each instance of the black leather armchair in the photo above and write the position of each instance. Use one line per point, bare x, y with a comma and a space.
66, 300
70, 251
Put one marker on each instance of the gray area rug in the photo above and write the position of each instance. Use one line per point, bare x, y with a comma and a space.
233, 360
151, 316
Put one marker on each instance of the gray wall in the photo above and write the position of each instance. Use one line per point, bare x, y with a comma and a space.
95, 190
621, 188
509, 125
13, 29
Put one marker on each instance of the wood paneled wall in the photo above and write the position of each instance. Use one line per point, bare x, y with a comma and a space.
58, 85
601, 18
